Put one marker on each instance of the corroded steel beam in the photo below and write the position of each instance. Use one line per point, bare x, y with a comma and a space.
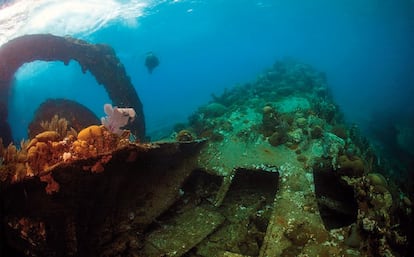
99, 59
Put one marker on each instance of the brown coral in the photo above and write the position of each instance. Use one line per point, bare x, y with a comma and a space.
38, 156
353, 167
316, 132
184, 135
59, 125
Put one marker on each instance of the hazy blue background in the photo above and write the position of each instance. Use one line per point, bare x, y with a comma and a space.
365, 47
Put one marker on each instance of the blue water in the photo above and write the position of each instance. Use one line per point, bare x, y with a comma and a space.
366, 48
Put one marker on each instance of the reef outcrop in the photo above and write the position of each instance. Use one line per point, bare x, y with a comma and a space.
99, 59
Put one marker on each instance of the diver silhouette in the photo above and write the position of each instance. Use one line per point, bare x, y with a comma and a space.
151, 61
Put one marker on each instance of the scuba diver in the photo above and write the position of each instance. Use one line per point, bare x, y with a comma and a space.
151, 61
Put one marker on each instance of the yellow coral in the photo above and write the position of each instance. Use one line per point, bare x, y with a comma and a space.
48, 135
45, 136
90, 133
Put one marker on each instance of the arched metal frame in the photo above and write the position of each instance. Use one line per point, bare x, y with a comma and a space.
99, 59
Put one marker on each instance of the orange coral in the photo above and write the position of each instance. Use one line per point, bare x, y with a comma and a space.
52, 186
48, 149
81, 149
98, 167
29, 229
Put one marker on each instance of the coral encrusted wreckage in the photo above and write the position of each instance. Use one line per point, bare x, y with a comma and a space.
268, 168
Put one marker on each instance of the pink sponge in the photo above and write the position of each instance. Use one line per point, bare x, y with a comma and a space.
117, 118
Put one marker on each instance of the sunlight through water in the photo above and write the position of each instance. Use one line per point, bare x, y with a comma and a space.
67, 17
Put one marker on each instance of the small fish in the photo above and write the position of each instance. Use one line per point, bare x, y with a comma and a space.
151, 61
